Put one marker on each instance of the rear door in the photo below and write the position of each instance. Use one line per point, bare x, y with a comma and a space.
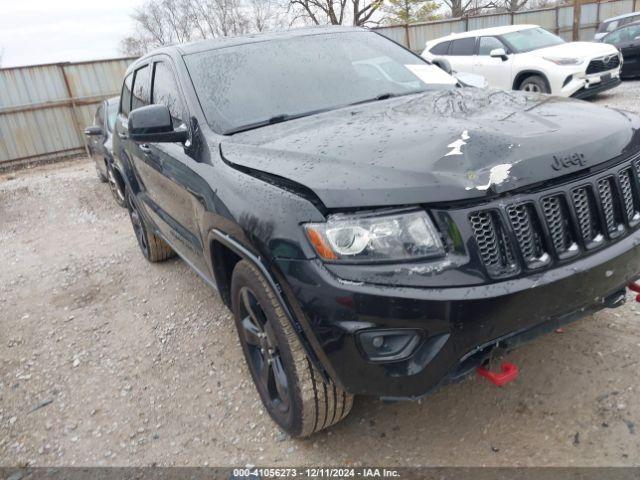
496, 70
462, 54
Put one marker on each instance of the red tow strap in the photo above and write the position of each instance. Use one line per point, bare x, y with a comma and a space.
634, 287
508, 373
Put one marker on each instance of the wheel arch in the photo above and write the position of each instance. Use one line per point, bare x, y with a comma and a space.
521, 76
225, 253
117, 173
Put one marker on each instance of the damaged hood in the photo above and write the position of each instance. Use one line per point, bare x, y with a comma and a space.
444, 146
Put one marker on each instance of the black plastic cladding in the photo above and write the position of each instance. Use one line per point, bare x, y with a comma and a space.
585, 215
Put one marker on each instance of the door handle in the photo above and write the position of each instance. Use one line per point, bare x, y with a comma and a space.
123, 136
146, 149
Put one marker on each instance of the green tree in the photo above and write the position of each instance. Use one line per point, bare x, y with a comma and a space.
410, 11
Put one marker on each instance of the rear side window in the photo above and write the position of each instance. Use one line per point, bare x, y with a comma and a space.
489, 43
165, 92
463, 46
125, 96
141, 88
440, 49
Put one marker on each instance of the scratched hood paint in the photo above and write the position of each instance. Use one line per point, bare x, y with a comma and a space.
443, 146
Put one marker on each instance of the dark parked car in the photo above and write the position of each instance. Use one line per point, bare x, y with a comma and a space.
100, 142
627, 40
373, 236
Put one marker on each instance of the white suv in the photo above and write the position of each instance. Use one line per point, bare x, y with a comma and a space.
528, 57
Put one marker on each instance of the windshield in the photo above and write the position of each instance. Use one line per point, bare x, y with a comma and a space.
531, 39
250, 85
112, 113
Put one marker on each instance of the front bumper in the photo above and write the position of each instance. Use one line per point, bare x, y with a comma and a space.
579, 84
590, 91
459, 325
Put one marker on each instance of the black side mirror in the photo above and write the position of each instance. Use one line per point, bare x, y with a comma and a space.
94, 130
153, 124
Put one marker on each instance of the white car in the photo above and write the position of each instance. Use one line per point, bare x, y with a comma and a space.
528, 57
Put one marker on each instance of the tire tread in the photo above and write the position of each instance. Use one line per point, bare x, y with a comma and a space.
323, 403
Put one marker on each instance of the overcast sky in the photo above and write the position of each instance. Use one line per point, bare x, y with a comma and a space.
44, 31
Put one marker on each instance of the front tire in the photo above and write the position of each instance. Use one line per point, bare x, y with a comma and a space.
153, 248
291, 389
534, 84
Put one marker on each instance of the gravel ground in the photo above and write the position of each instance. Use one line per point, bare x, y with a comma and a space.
106, 359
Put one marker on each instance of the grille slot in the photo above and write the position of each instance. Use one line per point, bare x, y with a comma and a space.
528, 233
600, 65
610, 206
629, 196
558, 221
494, 247
587, 215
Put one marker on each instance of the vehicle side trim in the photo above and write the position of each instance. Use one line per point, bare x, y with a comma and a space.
244, 253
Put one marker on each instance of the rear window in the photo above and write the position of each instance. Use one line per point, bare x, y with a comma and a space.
463, 46
440, 49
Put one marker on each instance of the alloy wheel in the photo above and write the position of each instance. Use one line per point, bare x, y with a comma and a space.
138, 227
263, 353
115, 186
531, 87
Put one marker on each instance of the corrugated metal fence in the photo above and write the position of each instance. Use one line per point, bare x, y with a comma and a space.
44, 108
556, 19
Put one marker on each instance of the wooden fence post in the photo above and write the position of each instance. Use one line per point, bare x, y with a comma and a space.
406, 36
577, 8
74, 110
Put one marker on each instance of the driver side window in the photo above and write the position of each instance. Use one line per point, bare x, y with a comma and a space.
489, 43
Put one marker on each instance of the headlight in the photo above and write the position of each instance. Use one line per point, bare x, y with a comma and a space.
372, 237
565, 61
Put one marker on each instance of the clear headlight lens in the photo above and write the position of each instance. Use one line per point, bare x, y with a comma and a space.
565, 61
400, 236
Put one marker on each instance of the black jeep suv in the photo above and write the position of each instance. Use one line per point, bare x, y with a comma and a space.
376, 228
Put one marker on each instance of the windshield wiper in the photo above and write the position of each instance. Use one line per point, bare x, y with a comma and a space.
279, 118
284, 117
386, 96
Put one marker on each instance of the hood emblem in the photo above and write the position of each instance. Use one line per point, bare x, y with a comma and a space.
567, 161
608, 58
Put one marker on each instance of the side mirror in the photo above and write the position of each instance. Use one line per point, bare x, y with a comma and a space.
443, 64
153, 124
94, 130
498, 53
